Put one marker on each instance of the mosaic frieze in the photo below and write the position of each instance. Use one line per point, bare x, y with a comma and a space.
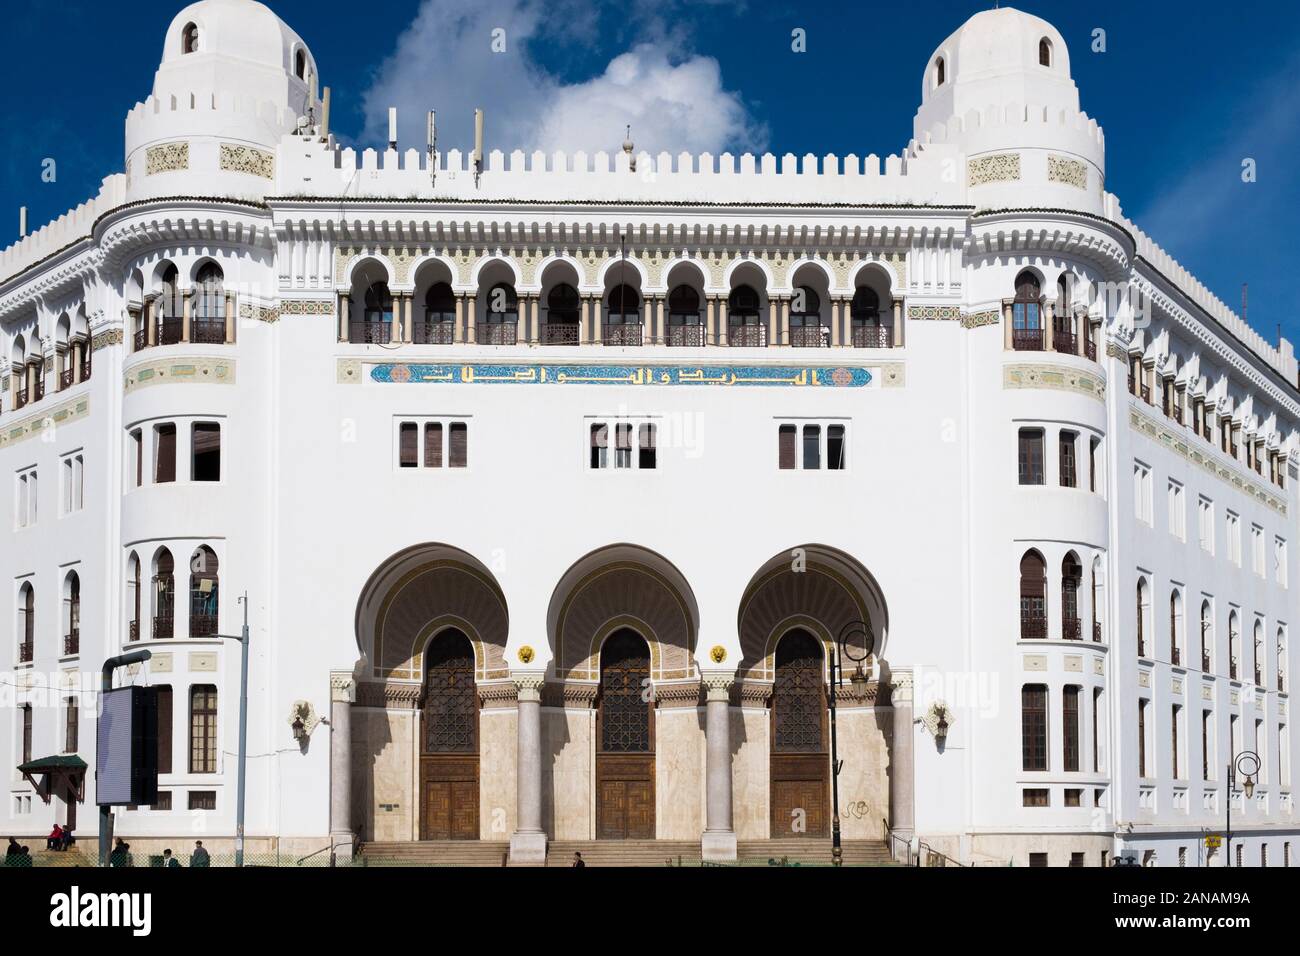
246, 159
935, 313
199, 371
307, 307
260, 312
103, 340
1055, 377
976, 320
998, 168
36, 424
167, 158
1068, 171
717, 376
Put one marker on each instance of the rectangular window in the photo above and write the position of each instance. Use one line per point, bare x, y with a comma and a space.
164, 453
408, 449
206, 452
599, 446
835, 447
1176, 715
1037, 859
203, 729
1036, 797
1142, 738
622, 445
1031, 456
203, 799
71, 726
433, 445
458, 445
164, 729
812, 447
1069, 478
1096, 736
137, 456
1233, 531
164, 800
1070, 727
1207, 721
1279, 561
1177, 512
1257, 549
1074, 798
1033, 727
1205, 524
1283, 756
25, 503
27, 733
647, 446
1094, 447
1076, 859
1142, 492
787, 437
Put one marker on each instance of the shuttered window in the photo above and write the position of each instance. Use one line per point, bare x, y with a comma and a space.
1070, 727
648, 446
458, 445
203, 729
207, 451
599, 446
164, 454
1033, 726
786, 443
835, 448
164, 729
1031, 456
433, 445
408, 448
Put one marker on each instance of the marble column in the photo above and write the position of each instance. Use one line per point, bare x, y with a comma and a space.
151, 322
1049, 326
719, 839
471, 318
345, 309
229, 317
187, 316
902, 768
459, 335
528, 842
1008, 326
342, 693
898, 324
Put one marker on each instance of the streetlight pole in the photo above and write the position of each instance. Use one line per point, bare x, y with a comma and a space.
841, 649
1248, 763
243, 731
105, 685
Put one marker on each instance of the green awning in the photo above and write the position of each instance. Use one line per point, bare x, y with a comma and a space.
61, 762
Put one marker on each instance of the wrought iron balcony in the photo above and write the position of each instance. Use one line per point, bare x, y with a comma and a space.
1090, 349
685, 336
133, 631
163, 627
370, 333
560, 333
1071, 628
1096, 632
25, 651
170, 331
65, 378
85, 366
38, 391
433, 333
140, 341
747, 336
20, 398
872, 336
1033, 627
1175, 656
1065, 342
810, 336
72, 642
208, 331
203, 625
496, 333
1027, 340
624, 334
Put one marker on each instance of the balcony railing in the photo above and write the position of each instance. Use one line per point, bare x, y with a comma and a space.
1071, 629
65, 378
1033, 627
810, 336
1232, 668
370, 333
170, 331
1090, 349
1065, 342
560, 333
1146, 393
685, 336
1096, 632
1027, 340
1175, 656
25, 649
203, 625
133, 631
872, 336
624, 334
163, 627
72, 642
85, 366
20, 398
747, 336
208, 331
1205, 661
140, 341
496, 333
433, 333
38, 391
1259, 678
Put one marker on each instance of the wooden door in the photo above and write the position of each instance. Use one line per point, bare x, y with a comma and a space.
799, 800
625, 797
799, 762
449, 766
450, 788
625, 758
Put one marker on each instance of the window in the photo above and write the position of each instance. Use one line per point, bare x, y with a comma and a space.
1279, 561
170, 310
164, 729
1044, 52
1070, 728
812, 443
1038, 859
1026, 314
164, 595
205, 463
25, 505
203, 729
647, 449
939, 72
622, 445
1033, 597
1069, 478
1143, 616
1205, 524
133, 595
27, 733
429, 453
204, 592
203, 799
1257, 549
1036, 797
1175, 753
439, 325
1142, 737
1031, 456
622, 306
1094, 451
1207, 727
1233, 531
1177, 511
300, 65
71, 726
73, 479
208, 322
26, 623
190, 38
786, 451
599, 446
812, 447
684, 326
458, 445
1033, 727
835, 447
409, 445
164, 453
71, 624
1234, 646
1071, 575
1175, 627
1096, 731
635, 445
1074, 798
376, 326
1142, 492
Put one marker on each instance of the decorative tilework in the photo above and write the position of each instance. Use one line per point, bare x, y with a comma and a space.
934, 313
106, 338
893, 375
1000, 167
34, 425
1055, 377
307, 307
246, 159
201, 371
690, 375
167, 158
260, 313
976, 320
1232, 476
1068, 171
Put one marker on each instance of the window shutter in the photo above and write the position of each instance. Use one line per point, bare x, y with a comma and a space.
786, 447
165, 463
835, 448
207, 451
599, 442
164, 729
458, 445
648, 440
433, 445
408, 449
812, 441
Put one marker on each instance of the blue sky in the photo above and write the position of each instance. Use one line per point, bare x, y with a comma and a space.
1185, 92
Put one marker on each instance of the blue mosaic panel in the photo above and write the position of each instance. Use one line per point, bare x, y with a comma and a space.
791, 376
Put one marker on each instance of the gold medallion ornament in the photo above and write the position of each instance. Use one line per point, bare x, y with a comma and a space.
718, 653
525, 655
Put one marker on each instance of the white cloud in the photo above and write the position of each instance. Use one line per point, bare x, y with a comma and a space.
444, 61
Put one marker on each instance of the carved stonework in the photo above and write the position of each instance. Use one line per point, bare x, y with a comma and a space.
893, 375
1000, 167
343, 689
104, 339
167, 158
391, 695
685, 695
751, 693
349, 372
1056, 377
261, 313
574, 695
176, 371
497, 695
1068, 171
246, 159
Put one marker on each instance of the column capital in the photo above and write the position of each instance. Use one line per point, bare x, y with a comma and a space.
901, 688
343, 689
717, 684
528, 684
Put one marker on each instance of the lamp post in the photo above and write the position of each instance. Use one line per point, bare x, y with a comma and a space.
859, 683
105, 685
243, 731
1247, 762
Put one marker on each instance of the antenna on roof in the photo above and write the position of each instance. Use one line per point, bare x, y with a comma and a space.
433, 147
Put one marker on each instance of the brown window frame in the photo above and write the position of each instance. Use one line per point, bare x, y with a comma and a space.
204, 728
1033, 727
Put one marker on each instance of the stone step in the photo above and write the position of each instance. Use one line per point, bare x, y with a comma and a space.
640, 853
436, 853
813, 851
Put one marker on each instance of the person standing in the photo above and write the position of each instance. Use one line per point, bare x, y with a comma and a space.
169, 861
578, 864
200, 856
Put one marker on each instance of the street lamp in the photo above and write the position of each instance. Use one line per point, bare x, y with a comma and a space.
243, 730
858, 682
1247, 763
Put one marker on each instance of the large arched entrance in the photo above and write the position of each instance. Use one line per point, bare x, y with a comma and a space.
800, 760
449, 758
625, 754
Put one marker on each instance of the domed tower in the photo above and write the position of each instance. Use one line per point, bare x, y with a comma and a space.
999, 89
233, 80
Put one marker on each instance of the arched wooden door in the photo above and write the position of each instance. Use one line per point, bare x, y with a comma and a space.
625, 758
449, 785
800, 763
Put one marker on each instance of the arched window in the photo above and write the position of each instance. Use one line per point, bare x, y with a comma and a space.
799, 695
1033, 597
1207, 636
745, 324
439, 325
1281, 660
1257, 656
170, 309
1044, 52
1234, 645
133, 596
71, 614
190, 38
806, 329
164, 595
623, 306
208, 325
376, 326
300, 65
450, 709
1062, 321
203, 593
1175, 627
1071, 575
562, 316
939, 72
502, 304
26, 623
684, 325
867, 329
625, 715
1026, 313
1143, 607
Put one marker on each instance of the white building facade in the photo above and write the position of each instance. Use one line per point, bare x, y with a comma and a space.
554, 482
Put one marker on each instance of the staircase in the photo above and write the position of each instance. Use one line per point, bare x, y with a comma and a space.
813, 851
624, 852
436, 853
